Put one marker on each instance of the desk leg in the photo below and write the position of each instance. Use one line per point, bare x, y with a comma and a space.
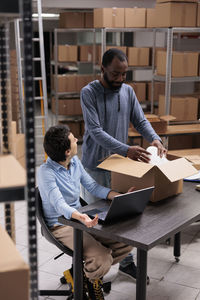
141, 281
78, 264
177, 246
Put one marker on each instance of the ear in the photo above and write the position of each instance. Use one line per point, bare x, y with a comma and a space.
67, 153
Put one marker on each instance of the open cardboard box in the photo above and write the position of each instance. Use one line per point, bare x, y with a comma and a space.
192, 155
167, 178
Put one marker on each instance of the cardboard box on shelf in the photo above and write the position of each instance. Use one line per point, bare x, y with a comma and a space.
180, 142
139, 89
162, 1
13, 270
108, 17
159, 124
67, 53
167, 178
152, 22
159, 89
67, 83
83, 80
183, 108
172, 14
75, 127
88, 20
69, 107
135, 17
17, 144
183, 63
138, 56
86, 53
192, 155
71, 19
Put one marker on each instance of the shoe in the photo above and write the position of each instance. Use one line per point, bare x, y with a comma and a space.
131, 271
95, 289
68, 276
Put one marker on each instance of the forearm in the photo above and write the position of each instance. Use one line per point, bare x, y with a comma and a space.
112, 194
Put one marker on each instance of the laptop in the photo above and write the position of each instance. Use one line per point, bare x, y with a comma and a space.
122, 206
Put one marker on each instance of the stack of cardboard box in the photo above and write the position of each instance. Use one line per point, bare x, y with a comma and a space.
173, 13
76, 20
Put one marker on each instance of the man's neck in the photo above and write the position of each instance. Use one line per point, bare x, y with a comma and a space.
66, 163
104, 83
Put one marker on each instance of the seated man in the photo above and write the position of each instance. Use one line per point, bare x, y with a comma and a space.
59, 182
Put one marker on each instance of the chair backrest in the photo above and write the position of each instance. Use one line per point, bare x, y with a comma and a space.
46, 232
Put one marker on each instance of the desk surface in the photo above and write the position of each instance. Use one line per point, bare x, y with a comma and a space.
172, 130
158, 222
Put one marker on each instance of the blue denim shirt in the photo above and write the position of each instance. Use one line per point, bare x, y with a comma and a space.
60, 188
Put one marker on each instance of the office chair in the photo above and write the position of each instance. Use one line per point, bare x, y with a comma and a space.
46, 232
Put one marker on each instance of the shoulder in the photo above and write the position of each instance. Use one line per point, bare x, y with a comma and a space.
92, 87
127, 90
76, 161
45, 170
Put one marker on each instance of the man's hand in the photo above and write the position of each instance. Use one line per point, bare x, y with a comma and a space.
85, 219
161, 150
138, 153
131, 189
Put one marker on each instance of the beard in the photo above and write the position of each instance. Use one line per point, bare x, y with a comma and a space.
113, 85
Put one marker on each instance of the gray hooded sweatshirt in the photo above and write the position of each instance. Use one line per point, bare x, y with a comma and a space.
107, 115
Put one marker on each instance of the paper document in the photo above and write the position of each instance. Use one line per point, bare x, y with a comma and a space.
195, 177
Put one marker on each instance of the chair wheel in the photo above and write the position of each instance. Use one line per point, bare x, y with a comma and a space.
177, 259
63, 280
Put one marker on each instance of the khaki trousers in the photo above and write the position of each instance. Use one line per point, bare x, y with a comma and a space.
98, 253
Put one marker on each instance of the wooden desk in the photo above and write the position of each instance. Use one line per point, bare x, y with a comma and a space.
159, 221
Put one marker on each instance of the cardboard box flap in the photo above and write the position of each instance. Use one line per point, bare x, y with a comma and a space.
168, 118
123, 165
177, 169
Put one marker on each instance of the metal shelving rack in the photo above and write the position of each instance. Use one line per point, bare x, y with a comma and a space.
56, 64
27, 191
167, 78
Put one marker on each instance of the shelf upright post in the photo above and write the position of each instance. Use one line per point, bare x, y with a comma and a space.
103, 41
26, 10
168, 76
56, 72
153, 71
168, 70
94, 53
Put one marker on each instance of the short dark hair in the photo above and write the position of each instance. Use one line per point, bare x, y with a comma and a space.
110, 54
56, 142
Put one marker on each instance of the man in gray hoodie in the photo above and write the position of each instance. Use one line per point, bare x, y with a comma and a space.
108, 106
